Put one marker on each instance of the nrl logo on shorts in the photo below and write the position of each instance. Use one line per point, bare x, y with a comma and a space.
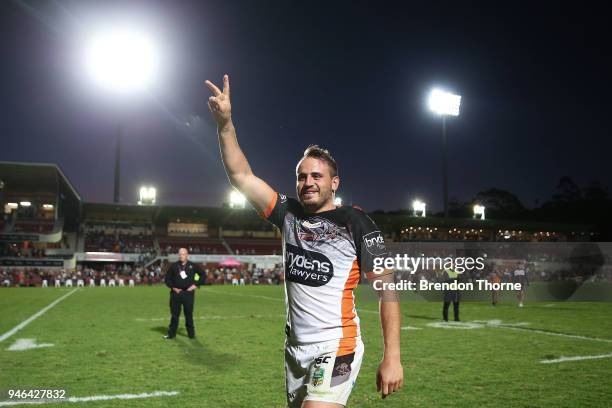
317, 377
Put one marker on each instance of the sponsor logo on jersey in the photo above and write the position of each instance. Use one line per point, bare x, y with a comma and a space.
374, 243
307, 267
283, 198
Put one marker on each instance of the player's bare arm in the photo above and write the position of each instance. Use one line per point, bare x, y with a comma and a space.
390, 374
239, 172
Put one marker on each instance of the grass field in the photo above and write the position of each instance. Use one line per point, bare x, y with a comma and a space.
107, 341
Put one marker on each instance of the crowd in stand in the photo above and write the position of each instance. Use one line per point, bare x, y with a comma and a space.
26, 277
171, 249
27, 250
126, 243
253, 275
471, 234
250, 275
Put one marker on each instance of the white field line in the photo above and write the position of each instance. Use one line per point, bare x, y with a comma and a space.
34, 316
575, 358
27, 344
570, 336
95, 398
243, 295
154, 319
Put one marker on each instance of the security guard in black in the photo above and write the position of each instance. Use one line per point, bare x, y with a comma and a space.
183, 277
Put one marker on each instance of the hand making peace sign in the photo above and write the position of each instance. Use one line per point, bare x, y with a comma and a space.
219, 104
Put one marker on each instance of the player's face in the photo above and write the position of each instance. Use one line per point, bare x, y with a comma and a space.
183, 255
315, 185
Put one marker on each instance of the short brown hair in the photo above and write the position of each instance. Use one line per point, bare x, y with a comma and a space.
317, 152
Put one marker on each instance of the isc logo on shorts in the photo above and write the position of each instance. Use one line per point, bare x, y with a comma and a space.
322, 360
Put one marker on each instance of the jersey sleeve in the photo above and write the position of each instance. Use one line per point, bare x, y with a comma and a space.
277, 209
369, 245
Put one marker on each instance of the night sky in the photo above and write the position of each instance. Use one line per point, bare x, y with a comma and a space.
350, 76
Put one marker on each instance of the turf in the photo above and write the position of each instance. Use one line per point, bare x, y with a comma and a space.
108, 341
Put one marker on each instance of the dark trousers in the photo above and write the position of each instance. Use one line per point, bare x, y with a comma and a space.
455, 311
185, 299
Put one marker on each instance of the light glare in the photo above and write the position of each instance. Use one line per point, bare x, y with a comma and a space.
148, 195
237, 200
123, 60
419, 208
444, 103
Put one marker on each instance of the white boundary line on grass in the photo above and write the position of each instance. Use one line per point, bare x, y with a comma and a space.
571, 336
243, 295
34, 316
254, 316
95, 398
575, 358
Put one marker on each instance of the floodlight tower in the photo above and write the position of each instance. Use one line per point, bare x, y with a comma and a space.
444, 104
418, 208
123, 61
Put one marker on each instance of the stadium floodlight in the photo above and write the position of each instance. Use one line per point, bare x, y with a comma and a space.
418, 208
479, 211
122, 60
147, 195
47, 206
237, 200
444, 103
338, 202
25, 203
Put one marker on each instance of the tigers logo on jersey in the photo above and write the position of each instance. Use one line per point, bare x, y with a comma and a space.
317, 231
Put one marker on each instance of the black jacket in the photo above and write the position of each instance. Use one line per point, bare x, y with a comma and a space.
174, 278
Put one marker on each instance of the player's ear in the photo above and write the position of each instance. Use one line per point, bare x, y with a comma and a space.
335, 183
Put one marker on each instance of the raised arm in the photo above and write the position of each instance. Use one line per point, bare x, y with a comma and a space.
238, 170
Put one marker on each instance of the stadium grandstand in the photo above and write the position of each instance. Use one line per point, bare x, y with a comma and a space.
50, 236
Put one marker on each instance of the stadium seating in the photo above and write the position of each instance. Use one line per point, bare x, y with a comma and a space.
255, 246
35, 225
118, 237
171, 245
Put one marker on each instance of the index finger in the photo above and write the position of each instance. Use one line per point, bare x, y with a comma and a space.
213, 88
226, 85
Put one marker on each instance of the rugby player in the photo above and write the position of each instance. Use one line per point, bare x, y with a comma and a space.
322, 249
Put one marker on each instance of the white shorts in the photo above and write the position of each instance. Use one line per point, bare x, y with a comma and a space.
324, 371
